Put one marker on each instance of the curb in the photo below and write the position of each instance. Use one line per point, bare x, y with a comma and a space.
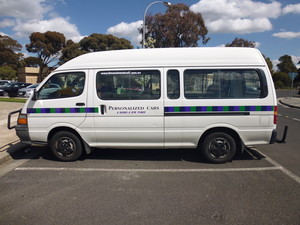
289, 105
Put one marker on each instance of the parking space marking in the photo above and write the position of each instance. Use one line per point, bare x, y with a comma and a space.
277, 165
146, 170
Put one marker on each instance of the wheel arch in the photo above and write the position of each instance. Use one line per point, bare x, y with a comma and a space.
86, 147
231, 132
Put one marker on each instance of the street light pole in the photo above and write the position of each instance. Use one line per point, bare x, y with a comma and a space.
161, 2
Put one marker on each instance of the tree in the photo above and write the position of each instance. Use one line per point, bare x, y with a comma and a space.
269, 63
178, 27
9, 49
71, 51
281, 80
103, 42
240, 42
47, 47
7, 73
32, 61
286, 64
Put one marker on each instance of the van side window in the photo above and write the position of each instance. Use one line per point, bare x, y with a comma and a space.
63, 85
173, 86
224, 83
128, 85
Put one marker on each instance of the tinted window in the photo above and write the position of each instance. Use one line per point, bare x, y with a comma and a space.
63, 85
128, 85
223, 84
173, 86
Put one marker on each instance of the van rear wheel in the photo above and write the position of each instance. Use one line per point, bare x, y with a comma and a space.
218, 147
66, 146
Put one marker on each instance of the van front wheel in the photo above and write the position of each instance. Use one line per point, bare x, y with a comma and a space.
66, 146
218, 147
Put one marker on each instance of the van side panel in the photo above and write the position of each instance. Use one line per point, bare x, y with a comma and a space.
130, 104
251, 116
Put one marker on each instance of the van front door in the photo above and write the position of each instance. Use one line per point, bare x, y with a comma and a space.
60, 102
130, 109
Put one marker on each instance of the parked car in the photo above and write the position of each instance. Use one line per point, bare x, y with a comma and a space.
4, 82
12, 89
27, 91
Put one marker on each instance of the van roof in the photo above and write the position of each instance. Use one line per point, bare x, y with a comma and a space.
167, 57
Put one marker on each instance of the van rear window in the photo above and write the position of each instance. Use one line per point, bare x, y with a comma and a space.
223, 83
128, 85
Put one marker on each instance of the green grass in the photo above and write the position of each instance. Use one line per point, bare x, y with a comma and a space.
13, 100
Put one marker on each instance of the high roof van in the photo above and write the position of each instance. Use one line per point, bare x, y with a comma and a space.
216, 100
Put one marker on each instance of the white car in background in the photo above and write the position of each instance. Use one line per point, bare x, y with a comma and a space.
27, 91
4, 82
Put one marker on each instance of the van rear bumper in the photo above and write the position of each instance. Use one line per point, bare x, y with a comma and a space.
23, 133
274, 136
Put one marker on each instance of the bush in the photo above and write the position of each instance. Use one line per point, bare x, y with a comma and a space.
278, 84
7, 73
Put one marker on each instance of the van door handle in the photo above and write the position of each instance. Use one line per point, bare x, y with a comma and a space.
102, 109
80, 104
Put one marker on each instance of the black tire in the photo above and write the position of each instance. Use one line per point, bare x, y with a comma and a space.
66, 146
5, 94
218, 147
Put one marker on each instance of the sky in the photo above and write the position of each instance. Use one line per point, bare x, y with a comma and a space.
274, 25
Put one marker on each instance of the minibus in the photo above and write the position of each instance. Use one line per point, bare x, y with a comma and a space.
214, 99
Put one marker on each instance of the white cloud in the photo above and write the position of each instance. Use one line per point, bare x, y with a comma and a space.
58, 24
295, 60
24, 9
239, 26
237, 16
3, 34
292, 8
257, 44
128, 31
287, 35
28, 16
6, 23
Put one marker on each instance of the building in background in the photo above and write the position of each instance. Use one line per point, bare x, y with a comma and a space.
30, 74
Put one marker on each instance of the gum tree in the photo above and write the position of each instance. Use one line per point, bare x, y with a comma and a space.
178, 27
47, 47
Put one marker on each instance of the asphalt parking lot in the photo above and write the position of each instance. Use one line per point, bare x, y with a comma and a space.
147, 187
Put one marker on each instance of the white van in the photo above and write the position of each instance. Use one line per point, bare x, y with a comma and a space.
213, 99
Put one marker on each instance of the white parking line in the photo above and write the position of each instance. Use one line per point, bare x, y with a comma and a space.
146, 170
277, 165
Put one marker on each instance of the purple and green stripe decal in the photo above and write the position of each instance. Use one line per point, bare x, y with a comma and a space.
63, 110
199, 109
